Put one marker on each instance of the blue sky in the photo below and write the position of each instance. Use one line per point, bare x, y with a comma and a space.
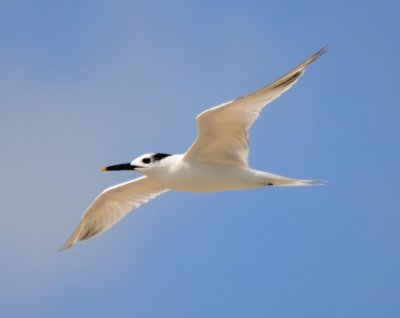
85, 84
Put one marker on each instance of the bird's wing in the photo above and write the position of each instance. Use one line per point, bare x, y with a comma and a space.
112, 205
223, 130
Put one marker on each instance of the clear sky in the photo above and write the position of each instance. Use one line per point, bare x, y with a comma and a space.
85, 84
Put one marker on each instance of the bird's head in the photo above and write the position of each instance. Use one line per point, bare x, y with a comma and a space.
144, 163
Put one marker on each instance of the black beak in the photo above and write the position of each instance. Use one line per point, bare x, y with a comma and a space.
123, 166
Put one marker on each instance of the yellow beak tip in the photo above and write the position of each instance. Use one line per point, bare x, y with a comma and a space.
103, 169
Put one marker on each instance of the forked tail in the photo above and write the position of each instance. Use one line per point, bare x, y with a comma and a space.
297, 182
268, 179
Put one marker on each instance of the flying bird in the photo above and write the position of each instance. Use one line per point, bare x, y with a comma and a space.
216, 161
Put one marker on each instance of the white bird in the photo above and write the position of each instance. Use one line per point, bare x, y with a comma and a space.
216, 161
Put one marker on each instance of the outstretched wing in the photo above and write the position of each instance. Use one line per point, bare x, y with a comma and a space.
223, 129
112, 205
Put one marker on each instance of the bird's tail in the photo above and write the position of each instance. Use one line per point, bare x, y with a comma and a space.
298, 182
274, 180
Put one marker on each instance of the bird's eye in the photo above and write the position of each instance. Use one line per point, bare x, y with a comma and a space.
146, 160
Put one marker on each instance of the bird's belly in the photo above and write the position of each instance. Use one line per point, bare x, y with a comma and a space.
209, 179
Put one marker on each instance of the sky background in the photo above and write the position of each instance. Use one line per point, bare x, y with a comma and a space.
84, 84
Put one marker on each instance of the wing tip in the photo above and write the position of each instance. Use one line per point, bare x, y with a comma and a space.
316, 55
73, 239
64, 247
69, 243
290, 78
80, 235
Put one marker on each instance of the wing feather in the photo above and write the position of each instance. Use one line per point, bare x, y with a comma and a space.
223, 130
112, 205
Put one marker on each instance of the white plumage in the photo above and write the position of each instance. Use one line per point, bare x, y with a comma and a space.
216, 161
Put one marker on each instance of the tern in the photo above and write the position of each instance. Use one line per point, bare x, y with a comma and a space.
216, 161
